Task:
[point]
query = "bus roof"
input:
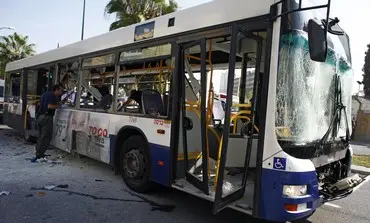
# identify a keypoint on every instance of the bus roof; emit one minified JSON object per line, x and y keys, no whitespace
{"x":208,"y":14}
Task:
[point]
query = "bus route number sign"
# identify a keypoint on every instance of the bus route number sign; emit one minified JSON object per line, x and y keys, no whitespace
{"x":158,"y":122}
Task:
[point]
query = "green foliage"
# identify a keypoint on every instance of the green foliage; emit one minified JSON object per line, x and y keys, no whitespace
{"x":366,"y":69}
{"x":129,"y":12}
{"x":14,"y":47}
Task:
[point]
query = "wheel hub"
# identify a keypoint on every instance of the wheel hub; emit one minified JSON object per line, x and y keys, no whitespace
{"x":133,"y":164}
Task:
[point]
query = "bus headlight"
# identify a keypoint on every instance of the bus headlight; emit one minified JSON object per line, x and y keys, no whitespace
{"x":294,"y":190}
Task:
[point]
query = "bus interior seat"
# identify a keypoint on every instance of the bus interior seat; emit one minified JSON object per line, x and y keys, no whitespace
{"x":152,"y":102}
{"x":106,"y":102}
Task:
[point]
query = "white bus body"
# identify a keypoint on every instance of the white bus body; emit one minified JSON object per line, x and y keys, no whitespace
{"x":173,"y":142}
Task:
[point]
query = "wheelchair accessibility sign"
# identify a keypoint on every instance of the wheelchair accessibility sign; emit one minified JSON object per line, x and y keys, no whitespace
{"x":279,"y":163}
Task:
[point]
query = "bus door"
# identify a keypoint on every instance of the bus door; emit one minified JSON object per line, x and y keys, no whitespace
{"x":193,"y":113}
{"x":236,"y":145}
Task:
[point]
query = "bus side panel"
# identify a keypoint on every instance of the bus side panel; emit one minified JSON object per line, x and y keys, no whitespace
{"x":160,"y":164}
{"x":13,"y":117}
{"x":94,"y":135}
{"x":272,"y":205}
{"x":280,"y":170}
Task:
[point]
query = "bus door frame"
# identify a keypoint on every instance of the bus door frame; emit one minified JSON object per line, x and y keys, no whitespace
{"x":222,"y":202}
{"x":200,"y":184}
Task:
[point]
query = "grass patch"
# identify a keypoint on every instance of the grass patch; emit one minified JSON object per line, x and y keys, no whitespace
{"x":361,"y":160}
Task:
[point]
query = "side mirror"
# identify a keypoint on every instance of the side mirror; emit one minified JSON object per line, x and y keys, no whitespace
{"x":317,"y":41}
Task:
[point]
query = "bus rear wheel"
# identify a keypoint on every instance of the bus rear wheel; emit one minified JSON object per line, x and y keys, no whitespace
{"x":135,"y":164}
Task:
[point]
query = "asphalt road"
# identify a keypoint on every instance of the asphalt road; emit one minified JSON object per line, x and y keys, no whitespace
{"x":95,"y":194}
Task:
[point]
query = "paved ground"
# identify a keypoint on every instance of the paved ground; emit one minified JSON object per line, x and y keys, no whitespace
{"x":361,"y":148}
{"x":95,"y":194}
{"x":354,"y":208}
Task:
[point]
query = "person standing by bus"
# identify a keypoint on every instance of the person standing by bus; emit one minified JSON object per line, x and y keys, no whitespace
{"x":48,"y":104}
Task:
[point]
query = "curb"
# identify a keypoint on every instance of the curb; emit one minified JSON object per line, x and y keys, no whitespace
{"x":360,"y":170}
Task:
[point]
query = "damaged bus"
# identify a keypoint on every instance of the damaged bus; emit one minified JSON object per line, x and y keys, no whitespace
{"x":276,"y":149}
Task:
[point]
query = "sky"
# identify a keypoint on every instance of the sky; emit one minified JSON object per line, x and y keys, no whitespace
{"x":49,"y":22}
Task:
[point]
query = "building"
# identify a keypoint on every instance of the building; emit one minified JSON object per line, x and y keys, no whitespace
{"x":361,"y":115}
{"x":237,"y":78}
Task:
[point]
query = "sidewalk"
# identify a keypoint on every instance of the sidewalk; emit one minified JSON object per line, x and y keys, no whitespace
{"x":360,"y":170}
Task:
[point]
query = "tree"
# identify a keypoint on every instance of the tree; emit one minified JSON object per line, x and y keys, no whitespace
{"x":366,"y":69}
{"x":129,"y":12}
{"x":14,"y":47}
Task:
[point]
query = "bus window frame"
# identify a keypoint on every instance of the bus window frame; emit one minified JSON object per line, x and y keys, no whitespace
{"x":114,"y":53}
{"x":80,"y":78}
{"x":143,"y":60}
{"x":164,"y":43}
{"x":57,"y":80}
{"x":9,"y":94}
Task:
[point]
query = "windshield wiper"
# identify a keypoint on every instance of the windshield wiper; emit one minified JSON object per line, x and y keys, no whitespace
{"x":335,"y":122}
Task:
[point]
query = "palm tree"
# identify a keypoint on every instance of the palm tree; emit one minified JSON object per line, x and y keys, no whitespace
{"x":14,"y":47}
{"x":129,"y":12}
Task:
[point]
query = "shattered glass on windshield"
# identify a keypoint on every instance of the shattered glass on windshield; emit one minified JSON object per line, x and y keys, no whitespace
{"x":306,"y":91}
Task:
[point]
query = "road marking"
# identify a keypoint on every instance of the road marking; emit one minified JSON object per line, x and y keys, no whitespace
{"x":332,"y":205}
{"x":366,"y":180}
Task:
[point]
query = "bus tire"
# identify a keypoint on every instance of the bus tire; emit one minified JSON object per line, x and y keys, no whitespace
{"x":135,"y":164}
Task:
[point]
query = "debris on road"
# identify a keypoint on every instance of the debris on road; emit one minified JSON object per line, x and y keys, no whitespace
{"x":6,"y":193}
{"x":49,"y":187}
{"x":41,"y":193}
{"x":97,"y":180}
{"x":53,"y":161}
{"x":29,"y":195}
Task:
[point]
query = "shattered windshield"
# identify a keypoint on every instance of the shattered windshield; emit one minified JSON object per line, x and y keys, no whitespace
{"x":305,"y":100}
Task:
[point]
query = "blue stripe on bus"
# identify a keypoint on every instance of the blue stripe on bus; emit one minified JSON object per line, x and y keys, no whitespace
{"x":272,"y":199}
{"x":112,"y":147}
{"x":160,"y":173}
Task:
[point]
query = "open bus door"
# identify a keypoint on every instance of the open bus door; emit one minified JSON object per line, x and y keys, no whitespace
{"x":224,"y":194}
{"x":194,"y":117}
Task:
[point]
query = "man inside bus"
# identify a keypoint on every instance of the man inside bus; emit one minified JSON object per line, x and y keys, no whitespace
{"x":99,"y":85}
{"x":104,"y":91}
{"x":48,"y":104}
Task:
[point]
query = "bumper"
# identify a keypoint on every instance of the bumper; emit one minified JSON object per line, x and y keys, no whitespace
{"x":273,"y":204}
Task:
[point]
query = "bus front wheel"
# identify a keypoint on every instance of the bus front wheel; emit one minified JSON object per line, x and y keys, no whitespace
{"x":135,"y":164}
